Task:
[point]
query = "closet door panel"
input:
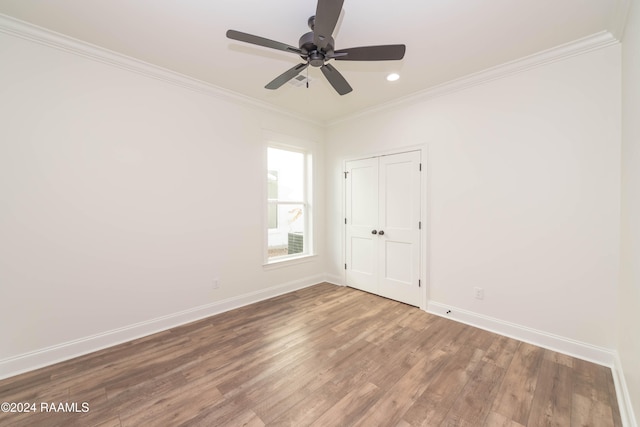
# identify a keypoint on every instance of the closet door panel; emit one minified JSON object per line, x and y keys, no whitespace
{"x":399,"y":218}
{"x":362,"y":218}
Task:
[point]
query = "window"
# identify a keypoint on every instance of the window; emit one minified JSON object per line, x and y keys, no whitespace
{"x":288,"y":209}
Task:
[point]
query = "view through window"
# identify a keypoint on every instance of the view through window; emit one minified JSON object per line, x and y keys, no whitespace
{"x":287,"y":206}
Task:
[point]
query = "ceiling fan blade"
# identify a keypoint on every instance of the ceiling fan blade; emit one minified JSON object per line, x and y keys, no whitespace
{"x":388,"y":52}
{"x":261,"y":41}
{"x":335,"y":78}
{"x":327,"y":14}
{"x":286,"y":76}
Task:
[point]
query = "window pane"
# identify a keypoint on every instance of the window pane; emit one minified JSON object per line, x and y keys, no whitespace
{"x":288,"y":169}
{"x":288,"y":237}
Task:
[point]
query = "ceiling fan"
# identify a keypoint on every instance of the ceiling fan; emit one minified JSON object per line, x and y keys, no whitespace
{"x":316,"y":48}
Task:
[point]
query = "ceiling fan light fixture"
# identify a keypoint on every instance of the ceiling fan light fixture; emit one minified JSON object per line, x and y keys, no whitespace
{"x":393,"y":77}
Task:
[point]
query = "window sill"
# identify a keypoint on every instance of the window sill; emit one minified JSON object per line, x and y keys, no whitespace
{"x":288,"y":261}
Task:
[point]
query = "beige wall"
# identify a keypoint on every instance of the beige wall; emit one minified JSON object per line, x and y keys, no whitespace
{"x":628,"y":328}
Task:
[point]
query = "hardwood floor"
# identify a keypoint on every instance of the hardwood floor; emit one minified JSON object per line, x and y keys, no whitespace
{"x":321,"y":356}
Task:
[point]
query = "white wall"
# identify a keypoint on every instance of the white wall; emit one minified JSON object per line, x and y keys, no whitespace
{"x":628,"y":328}
{"x":112,"y":188}
{"x":122,"y":197}
{"x":523,"y":193}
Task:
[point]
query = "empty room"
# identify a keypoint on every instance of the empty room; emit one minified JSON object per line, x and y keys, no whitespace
{"x":319,"y":212}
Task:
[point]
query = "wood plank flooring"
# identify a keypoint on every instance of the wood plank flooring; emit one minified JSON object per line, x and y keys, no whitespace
{"x":321,"y":356}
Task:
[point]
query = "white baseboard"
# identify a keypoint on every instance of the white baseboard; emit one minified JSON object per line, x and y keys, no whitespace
{"x":334,"y":279}
{"x":69,"y":350}
{"x":591,"y":353}
{"x":50,"y":355}
{"x":624,"y":399}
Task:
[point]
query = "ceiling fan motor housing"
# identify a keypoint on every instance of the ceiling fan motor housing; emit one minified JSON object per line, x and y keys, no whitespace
{"x":315,"y":55}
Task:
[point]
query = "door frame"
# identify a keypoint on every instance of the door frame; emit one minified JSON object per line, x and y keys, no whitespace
{"x":425,"y":255}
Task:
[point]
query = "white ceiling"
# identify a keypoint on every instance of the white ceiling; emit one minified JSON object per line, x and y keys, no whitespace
{"x":446,"y":39}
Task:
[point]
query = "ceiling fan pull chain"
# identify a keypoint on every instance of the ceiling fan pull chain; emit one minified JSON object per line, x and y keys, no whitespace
{"x":307,"y":77}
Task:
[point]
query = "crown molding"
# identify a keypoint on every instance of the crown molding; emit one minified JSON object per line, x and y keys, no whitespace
{"x":578,"y":47}
{"x":24,"y":30}
{"x":42,"y":36}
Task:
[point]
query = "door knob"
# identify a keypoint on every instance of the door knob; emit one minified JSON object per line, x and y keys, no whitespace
{"x":381,"y":232}
{"x":374,"y":232}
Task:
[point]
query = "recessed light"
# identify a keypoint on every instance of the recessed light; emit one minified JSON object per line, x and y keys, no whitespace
{"x":393,"y":77}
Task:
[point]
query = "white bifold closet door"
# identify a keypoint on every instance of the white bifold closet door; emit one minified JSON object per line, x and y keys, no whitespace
{"x":383,"y":226}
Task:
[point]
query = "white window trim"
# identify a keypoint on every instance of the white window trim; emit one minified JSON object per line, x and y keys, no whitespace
{"x":305,"y":147}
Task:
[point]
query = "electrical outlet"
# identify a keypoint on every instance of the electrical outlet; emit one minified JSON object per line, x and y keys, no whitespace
{"x":479,"y":292}
{"x":216,"y":283}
